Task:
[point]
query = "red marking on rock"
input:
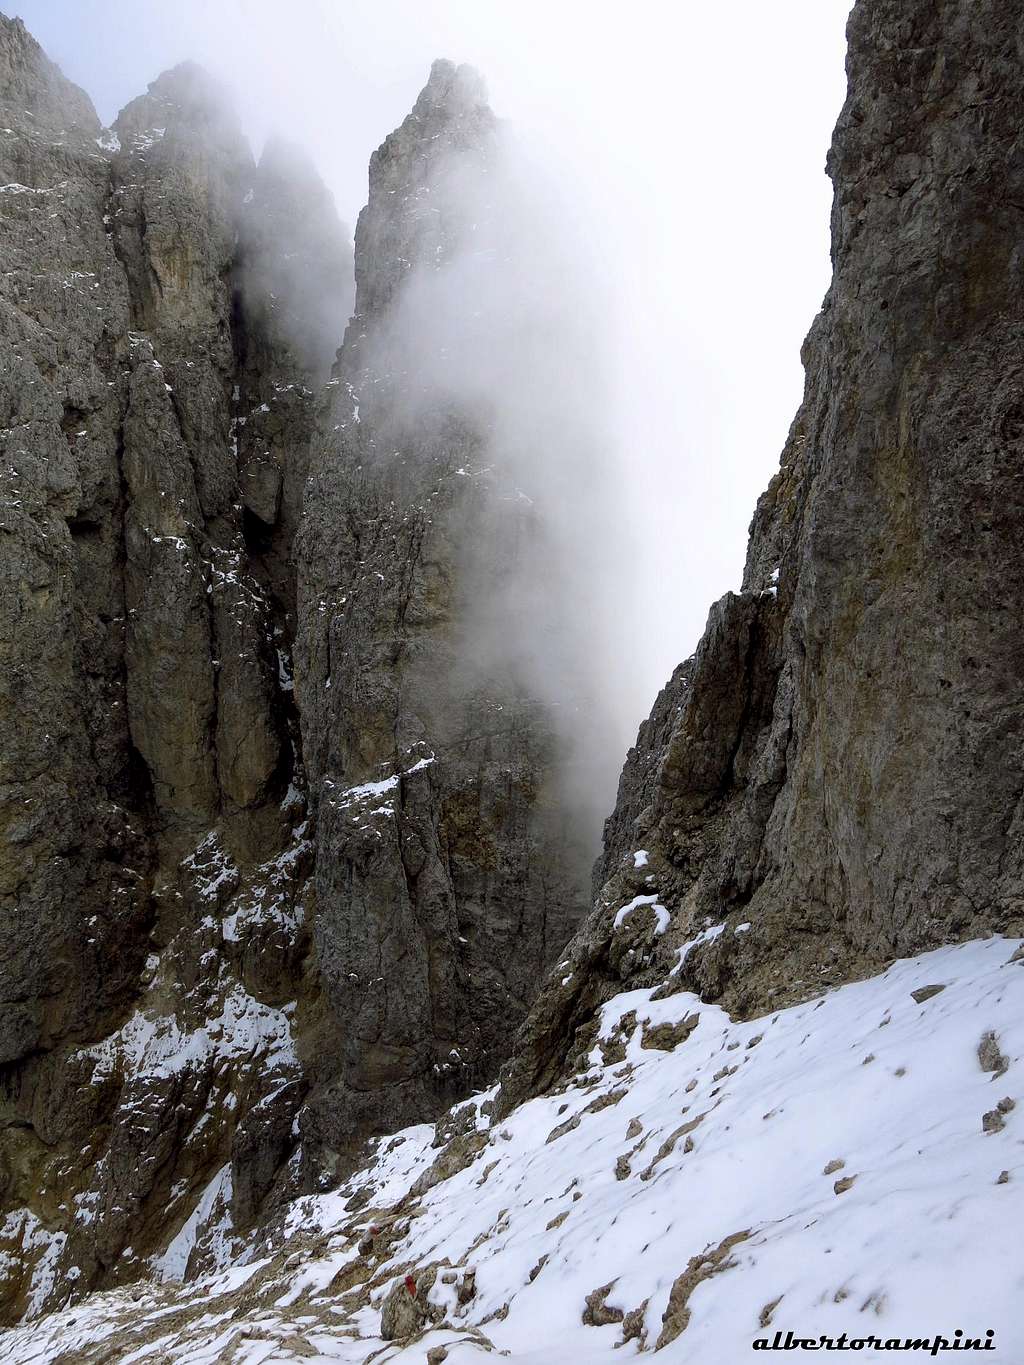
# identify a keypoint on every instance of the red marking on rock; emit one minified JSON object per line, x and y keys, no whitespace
{"x":410,"y":1284}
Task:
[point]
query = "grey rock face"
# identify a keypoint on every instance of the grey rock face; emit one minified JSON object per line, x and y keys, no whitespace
{"x":151,"y":817}
{"x":447,"y":874}
{"x":72,"y":855}
{"x":283,"y":850}
{"x":835,"y":778}
{"x":185,"y":502}
{"x":179,"y":178}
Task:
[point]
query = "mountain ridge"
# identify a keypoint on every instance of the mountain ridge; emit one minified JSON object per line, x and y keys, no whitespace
{"x":289,"y":870}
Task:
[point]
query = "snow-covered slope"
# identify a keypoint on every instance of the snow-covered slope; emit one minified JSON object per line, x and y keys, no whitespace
{"x":851,"y":1165}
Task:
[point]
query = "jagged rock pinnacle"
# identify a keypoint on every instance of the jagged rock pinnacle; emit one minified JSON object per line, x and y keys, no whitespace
{"x":456,"y":88}
{"x":36,"y":95}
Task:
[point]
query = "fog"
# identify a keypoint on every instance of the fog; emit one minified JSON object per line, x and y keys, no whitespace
{"x":659,"y":246}
{"x":504,"y":322}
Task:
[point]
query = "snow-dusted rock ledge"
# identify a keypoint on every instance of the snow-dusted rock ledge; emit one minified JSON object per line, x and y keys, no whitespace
{"x":853,"y":1164}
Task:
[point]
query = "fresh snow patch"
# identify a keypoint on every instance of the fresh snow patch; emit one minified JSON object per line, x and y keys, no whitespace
{"x":142,"y":142}
{"x":211,"y":868}
{"x":15,"y":188}
{"x":156,"y":1046}
{"x":368,"y":790}
{"x":705,"y":936}
{"x":660,"y":913}
{"x":272,"y":901}
{"x":837,"y":1143}
{"x":174,"y":1261}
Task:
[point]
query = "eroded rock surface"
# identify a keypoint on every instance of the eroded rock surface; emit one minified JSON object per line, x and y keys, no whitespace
{"x":154,"y":846}
{"x":448,"y":872}
{"x":283,"y":856}
{"x":259,"y":902}
{"x":836,"y":776}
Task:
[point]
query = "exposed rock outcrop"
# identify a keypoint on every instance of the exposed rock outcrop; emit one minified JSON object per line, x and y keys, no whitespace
{"x":150,"y":797}
{"x":836,"y":776}
{"x":283,"y":849}
{"x":448,"y":873}
{"x":176,"y":1058}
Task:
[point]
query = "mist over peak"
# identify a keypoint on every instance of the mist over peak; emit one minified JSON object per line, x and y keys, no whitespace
{"x":413,"y":215}
{"x":296,"y":257}
{"x":188,"y":98}
{"x":458,"y":86}
{"x":338,"y":573}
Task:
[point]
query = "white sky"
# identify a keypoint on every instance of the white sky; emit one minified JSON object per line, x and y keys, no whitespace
{"x":692,"y":137}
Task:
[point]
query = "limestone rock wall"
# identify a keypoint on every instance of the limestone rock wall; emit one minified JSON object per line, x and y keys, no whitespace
{"x":154,"y":841}
{"x":448,"y":873}
{"x":280,"y":871}
{"x":284,"y":854}
{"x":836,"y":777}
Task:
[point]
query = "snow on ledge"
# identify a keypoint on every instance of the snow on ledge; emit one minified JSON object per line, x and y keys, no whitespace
{"x":843,"y":1150}
{"x":660,"y":913}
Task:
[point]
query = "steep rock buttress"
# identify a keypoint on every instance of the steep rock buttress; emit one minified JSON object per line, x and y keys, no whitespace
{"x":448,"y":874}
{"x":836,"y":777}
{"x":283,"y":856}
{"x":157,"y":403}
{"x":283,"y":863}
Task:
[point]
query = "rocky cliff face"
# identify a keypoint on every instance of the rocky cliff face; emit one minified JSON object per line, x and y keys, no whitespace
{"x":448,"y":874}
{"x":835,"y":778}
{"x":156,"y":413}
{"x":215,"y":986}
{"x":284,"y":848}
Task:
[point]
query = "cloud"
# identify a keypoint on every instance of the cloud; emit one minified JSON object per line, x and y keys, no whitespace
{"x":678,"y":152}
